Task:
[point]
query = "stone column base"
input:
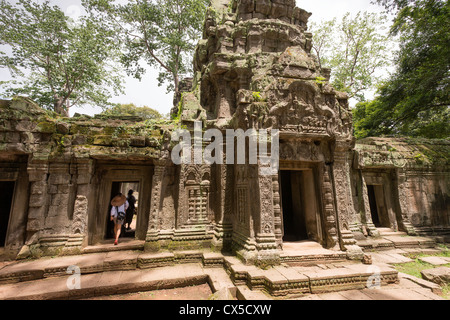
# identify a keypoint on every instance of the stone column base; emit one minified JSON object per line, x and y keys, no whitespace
{"x":74,"y":245}
{"x":179,"y":239}
{"x":373,"y":231}
{"x":262,"y":252}
{"x":222,"y":240}
{"x":353,"y":251}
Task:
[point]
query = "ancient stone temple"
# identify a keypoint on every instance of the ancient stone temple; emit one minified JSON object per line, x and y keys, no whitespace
{"x":253,"y":69}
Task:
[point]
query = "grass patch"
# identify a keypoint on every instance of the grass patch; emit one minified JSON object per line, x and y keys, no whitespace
{"x":415,"y":267}
{"x":446,"y":291}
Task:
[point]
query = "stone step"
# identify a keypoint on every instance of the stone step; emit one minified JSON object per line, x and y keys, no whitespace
{"x":106,"y":283}
{"x":390,"y":258}
{"x":375,"y":244}
{"x":293,"y":281}
{"x":389,"y":242}
{"x":411,"y":242}
{"x":108,"y":246}
{"x":278,"y":281}
{"x":306,"y":253}
{"x":390,"y":232}
{"x":305,"y":259}
{"x":21,"y":271}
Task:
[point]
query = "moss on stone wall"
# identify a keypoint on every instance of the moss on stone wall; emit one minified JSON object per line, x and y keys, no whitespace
{"x":47,"y":135}
{"x":388,"y":152}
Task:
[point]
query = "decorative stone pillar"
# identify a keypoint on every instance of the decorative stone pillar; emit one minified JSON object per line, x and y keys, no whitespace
{"x":37,"y":207}
{"x":223,"y":227}
{"x":266,"y":242}
{"x":80,"y":191}
{"x":243,"y":220}
{"x":57,"y":220}
{"x":373,"y":231}
{"x":332,"y":237}
{"x":75,"y":241}
{"x":403,"y":202}
{"x":341,"y":179}
{"x":151,"y":240}
{"x":277,"y":214}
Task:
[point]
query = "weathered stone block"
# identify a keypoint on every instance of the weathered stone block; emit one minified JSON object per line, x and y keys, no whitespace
{"x":38,"y":187}
{"x":37,"y":200}
{"x":25,"y":125}
{"x":53,"y":211}
{"x":263,"y":6}
{"x":278,"y":10}
{"x":137,"y":141}
{"x":57,"y":223}
{"x":440,"y":275}
{"x":64,"y":188}
{"x":36,"y":213}
{"x":52,"y":189}
{"x":79,"y":139}
{"x":103,"y":140}
{"x":246,"y":6}
{"x":60,"y":199}
{"x":36,"y":176}
{"x":12,"y":137}
{"x":59,"y":178}
{"x":33,"y":224}
{"x":62,"y":128}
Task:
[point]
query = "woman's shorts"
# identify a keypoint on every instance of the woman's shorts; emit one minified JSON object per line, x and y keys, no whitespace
{"x":117,"y":221}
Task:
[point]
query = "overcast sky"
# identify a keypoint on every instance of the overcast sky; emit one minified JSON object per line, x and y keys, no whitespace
{"x":147,"y":92}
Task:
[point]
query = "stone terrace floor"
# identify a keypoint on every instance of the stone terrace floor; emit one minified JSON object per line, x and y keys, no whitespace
{"x":307,"y":272}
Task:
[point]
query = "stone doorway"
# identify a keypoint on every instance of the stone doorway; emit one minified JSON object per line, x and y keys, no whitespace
{"x":123,"y":187}
{"x":378,"y":210}
{"x":6,"y":199}
{"x":299,"y":206}
{"x":109,"y":180}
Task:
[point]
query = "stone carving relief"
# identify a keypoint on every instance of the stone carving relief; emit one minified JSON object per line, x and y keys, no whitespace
{"x":79,"y":215}
{"x":197,"y":181}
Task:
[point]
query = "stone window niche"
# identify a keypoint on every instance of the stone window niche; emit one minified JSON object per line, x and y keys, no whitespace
{"x":197,"y":195}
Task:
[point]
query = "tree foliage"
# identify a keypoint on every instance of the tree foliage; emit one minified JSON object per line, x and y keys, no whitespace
{"x":56,"y":62}
{"x":355,"y":48}
{"x":416,"y":99}
{"x":131,"y":109}
{"x":162,"y":33}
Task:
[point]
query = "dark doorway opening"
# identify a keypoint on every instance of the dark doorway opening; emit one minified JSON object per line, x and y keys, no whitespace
{"x":129,"y":225}
{"x":301,"y":218}
{"x":373,"y":206}
{"x":293,"y":214}
{"x":378,"y":210}
{"x":6,"y":198}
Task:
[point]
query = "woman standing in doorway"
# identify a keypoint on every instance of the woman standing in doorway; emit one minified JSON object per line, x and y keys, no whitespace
{"x":131,"y":209}
{"x":119,"y":206}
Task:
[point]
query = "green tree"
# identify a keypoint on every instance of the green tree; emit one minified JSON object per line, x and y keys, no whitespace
{"x":162,"y":33}
{"x":54,"y":61}
{"x":415,"y":101}
{"x":356,"y":49}
{"x":131,"y":109}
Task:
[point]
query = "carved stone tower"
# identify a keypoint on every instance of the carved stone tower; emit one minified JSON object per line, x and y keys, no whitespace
{"x":254,"y":69}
